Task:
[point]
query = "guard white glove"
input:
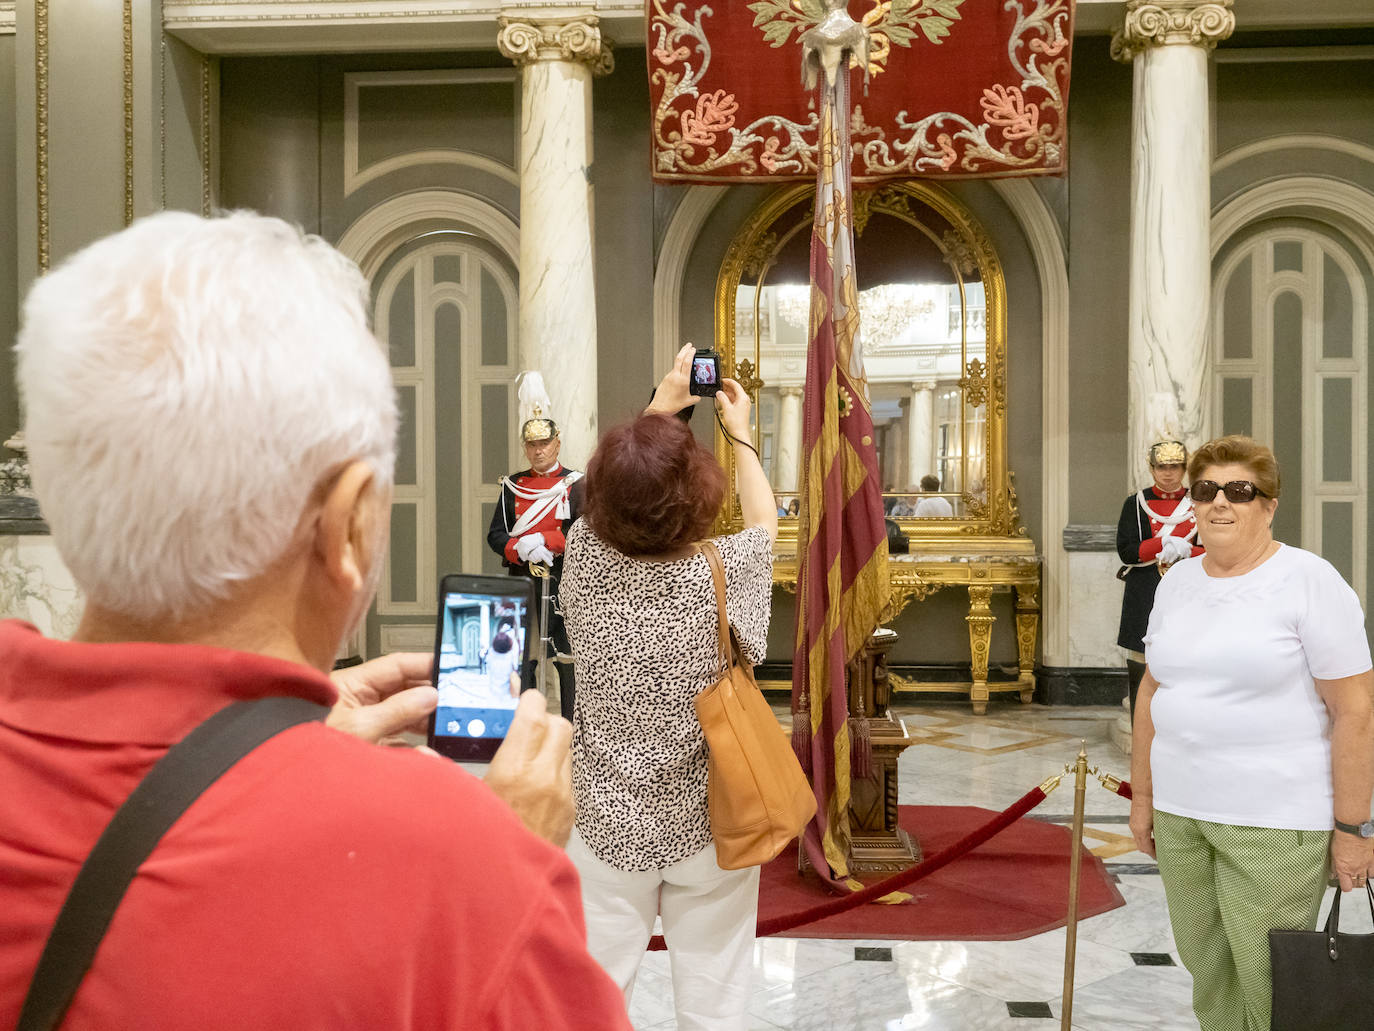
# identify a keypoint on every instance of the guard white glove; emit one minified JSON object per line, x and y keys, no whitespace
{"x":541,"y":554}
{"x":1174,"y":549}
{"x":526,"y":544}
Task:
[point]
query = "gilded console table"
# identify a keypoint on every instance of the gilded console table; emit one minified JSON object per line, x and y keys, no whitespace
{"x":917,"y":576}
{"x":987,"y":567}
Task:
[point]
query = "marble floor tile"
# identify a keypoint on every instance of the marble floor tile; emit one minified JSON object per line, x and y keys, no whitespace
{"x":1142,"y":925}
{"x":874,"y":996}
{"x":1030,"y":969}
{"x":651,"y":1002}
{"x":1139,"y":999}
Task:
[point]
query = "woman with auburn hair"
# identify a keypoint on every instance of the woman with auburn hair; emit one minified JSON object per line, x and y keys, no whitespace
{"x":641,"y":614}
{"x":1253,"y":737}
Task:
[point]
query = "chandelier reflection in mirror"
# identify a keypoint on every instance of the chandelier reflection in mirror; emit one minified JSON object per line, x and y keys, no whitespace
{"x":933,"y":329}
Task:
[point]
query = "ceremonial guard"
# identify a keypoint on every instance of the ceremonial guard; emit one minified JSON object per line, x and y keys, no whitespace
{"x":536,"y":508}
{"x":1157,"y":529}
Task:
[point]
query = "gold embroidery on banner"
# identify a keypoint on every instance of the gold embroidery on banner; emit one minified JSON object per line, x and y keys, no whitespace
{"x":1028,"y":115}
{"x":889,"y":21}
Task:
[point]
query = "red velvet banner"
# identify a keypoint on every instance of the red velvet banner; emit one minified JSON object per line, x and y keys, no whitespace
{"x":957,"y":89}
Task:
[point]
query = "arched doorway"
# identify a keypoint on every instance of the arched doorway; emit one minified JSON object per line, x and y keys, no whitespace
{"x":1290,"y":350}
{"x":445,"y":305}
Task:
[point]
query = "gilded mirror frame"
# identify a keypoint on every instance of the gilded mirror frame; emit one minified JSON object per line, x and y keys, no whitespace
{"x":992,"y":524}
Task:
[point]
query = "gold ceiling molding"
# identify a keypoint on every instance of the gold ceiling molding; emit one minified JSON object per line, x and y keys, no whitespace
{"x":205,"y":135}
{"x":128,"y":111}
{"x":162,"y":120}
{"x":40,"y":42}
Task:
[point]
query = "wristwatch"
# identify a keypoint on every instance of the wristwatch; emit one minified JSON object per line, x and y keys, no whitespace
{"x":1360,"y":830}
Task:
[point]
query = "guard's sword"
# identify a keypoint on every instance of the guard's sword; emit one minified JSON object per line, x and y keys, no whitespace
{"x":541,"y":573}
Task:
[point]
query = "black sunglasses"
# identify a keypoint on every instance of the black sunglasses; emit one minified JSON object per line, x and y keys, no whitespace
{"x":1238,"y":492}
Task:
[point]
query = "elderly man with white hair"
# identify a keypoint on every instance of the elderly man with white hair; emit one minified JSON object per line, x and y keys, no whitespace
{"x":211,"y":428}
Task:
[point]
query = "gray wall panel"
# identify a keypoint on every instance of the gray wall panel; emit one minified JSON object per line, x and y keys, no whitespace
{"x":85,"y":123}
{"x":1254,"y":101}
{"x":1099,"y":235}
{"x":623,"y":199}
{"x":269,"y":137}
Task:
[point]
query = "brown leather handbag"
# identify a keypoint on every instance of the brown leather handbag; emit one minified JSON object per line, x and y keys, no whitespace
{"x":757,"y":795}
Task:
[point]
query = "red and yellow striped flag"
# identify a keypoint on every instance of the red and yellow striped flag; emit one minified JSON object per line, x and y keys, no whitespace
{"x":842,"y":579}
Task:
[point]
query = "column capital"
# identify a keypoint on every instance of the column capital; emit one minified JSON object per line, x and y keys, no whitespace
{"x":527,"y":36}
{"x":1155,"y":23}
{"x":921,"y":386}
{"x":791,"y":391}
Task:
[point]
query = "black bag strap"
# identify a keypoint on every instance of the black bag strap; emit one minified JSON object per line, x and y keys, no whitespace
{"x":1333,"y":918}
{"x":171,"y":786}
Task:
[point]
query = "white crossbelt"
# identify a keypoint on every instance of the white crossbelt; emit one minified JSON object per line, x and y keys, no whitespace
{"x":553,"y":498}
{"x":1182,"y":511}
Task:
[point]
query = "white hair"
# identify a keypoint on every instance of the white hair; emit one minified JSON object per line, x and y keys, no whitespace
{"x":187,"y":383}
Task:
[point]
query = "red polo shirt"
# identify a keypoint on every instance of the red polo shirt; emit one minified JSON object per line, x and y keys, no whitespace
{"x":321,"y":883}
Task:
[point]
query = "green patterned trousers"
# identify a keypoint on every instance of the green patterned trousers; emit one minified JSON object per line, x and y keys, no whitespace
{"x":1228,"y":887}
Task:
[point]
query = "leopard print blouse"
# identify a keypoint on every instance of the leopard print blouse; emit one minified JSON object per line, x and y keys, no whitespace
{"x":643,"y":637}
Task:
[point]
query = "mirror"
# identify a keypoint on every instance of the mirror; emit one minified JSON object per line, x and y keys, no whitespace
{"x":932,"y":322}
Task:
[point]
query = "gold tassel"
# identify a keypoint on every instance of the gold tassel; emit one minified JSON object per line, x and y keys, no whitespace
{"x":801,"y":732}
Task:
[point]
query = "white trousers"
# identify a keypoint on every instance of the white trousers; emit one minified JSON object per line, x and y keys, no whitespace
{"x":708,"y":922}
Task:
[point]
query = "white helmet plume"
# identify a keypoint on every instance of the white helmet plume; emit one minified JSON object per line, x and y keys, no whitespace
{"x":536,"y":410}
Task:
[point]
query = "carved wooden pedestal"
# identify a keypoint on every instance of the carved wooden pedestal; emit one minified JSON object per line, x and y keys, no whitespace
{"x":878,"y":844}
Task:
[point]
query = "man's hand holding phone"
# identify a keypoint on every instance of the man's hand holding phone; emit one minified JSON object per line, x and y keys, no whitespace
{"x":532,"y":770}
{"x":380,"y":699}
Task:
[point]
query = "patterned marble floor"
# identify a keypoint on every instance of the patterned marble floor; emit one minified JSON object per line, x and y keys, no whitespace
{"x":1128,"y":972}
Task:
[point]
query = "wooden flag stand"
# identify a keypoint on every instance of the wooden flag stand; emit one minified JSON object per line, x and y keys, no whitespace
{"x":876,"y":843}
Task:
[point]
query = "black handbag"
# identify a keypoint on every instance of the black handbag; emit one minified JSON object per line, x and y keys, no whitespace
{"x":1323,"y":980}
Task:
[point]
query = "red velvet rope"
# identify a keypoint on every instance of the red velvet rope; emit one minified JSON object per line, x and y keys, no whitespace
{"x":1124,"y":789}
{"x":970,"y":841}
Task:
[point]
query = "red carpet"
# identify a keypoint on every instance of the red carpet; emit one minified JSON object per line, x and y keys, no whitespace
{"x":1014,"y":886}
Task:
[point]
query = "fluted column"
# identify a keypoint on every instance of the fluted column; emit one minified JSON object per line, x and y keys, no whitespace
{"x":788,"y":462}
{"x":558,"y":50}
{"x":1170,"y":271}
{"x":921,"y":452}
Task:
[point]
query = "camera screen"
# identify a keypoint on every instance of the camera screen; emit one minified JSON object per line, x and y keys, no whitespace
{"x":704,"y":370}
{"x":481,"y":647}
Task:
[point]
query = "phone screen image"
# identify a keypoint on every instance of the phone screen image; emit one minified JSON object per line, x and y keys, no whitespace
{"x":704,"y":371}
{"x":482,"y":644}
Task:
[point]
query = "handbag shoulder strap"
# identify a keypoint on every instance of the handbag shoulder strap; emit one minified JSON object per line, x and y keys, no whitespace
{"x":724,"y":651}
{"x":177,"y":780}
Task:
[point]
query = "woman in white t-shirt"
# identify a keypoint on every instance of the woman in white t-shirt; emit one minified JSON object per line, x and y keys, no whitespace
{"x":1254,"y":735}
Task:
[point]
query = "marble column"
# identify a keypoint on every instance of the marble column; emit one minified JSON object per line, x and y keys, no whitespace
{"x":558,"y":49}
{"x":1169,"y":42}
{"x":921,"y":452}
{"x":896,"y":453}
{"x":789,"y":440}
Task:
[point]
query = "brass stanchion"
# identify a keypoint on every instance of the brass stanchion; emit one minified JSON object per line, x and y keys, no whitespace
{"x":1080,"y":783}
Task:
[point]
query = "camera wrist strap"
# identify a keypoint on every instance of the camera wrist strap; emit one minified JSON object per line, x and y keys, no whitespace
{"x":170,"y":787}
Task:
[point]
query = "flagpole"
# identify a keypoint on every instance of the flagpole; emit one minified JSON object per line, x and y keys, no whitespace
{"x":842,"y":582}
